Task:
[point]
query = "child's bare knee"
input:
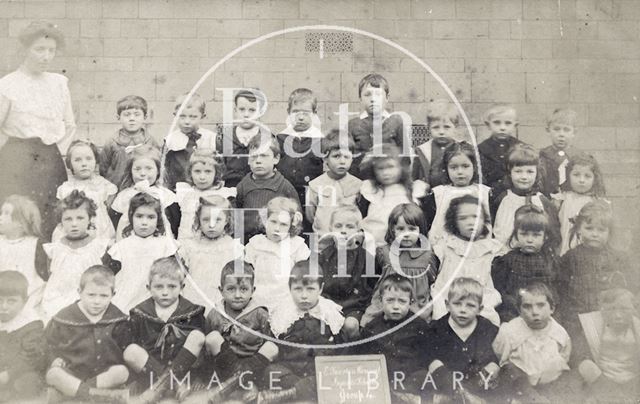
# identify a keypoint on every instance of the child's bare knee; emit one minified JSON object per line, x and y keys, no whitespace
{"x":194,"y":341}
{"x":135,"y":356}
{"x":269,"y":350}
{"x":213,"y":342}
{"x":120,"y":373}
{"x":53,"y":375}
{"x":351,"y":326}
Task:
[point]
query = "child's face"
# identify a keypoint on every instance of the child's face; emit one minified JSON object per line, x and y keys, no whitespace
{"x":339,"y":162}
{"x":145,"y":221}
{"x":523,"y":177}
{"x":202,"y":175}
{"x":278,"y":225}
{"x":164,"y":290}
{"x":94,"y":298}
{"x":132,"y":120}
{"x":594,"y":234}
{"x":388,"y":171}
{"x":442,"y":128}
{"x":75,"y":223}
{"x":244,"y":112}
{"x":460,"y":170}
{"x":407,"y":234}
{"x":8,"y":226}
{"x":301,"y":115}
{"x":144,"y":169}
{"x":395,"y":304}
{"x":503,"y":125}
{"x":618,"y":315}
{"x":346,"y":225}
{"x":535,"y":310}
{"x":83,"y":162}
{"x":373,"y":99}
{"x":561,"y":134}
{"x":530,"y":241}
{"x":306,"y":296}
{"x":463,"y":311}
{"x":189,"y":119}
{"x":466,"y":218}
{"x":581,"y":179}
{"x":10,"y":306}
{"x":237,"y":291}
{"x":262,"y":162}
{"x":212,"y":222}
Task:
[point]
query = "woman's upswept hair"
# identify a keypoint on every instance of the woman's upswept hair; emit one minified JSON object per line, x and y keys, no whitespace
{"x":39,"y":29}
{"x":595,"y":212}
{"x":583,"y":159}
{"x":144,"y":199}
{"x":451,"y":217}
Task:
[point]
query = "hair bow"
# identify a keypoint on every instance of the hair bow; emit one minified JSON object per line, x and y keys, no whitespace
{"x":143,"y":186}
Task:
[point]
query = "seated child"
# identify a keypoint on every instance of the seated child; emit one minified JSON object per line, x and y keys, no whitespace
{"x":85,"y":354}
{"x":533,"y":348}
{"x":502,"y":122}
{"x":609,"y":351}
{"x":22,"y":345}
{"x":263,"y":183}
{"x":442,"y":123}
{"x":300,"y":143}
{"x":561,"y":127}
{"x":132,"y":113}
{"x":373,"y":92}
{"x":188,"y":136}
{"x":165,"y":336}
{"x":234,"y":145}
{"x":334,"y":188}
{"x":403,"y":346}
{"x":233,"y":348}
{"x":460,"y":355}
{"x":348,"y":267}
{"x":305,"y":318}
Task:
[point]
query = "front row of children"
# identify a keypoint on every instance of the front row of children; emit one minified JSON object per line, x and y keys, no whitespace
{"x":166,"y":346}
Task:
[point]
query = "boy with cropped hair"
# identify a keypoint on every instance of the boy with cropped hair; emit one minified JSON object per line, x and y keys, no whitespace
{"x":554,"y":158}
{"x":185,"y":138}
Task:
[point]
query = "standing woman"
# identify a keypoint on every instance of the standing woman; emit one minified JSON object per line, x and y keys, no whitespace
{"x":36,"y":123}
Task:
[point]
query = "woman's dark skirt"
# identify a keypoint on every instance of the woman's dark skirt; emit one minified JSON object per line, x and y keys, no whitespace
{"x":31,"y":168}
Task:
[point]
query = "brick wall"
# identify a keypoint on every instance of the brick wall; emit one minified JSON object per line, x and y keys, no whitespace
{"x":535,"y":54}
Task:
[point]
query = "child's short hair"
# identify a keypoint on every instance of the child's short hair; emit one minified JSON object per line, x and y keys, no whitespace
{"x":453,"y":150}
{"x":26,"y":212}
{"x":451,"y":216}
{"x":195,"y":101}
{"x":617,"y":297}
{"x":440,"y":110}
{"x":144,"y":199}
{"x":13,"y":283}
{"x":564,"y":116}
{"x":465,"y":288}
{"x":301,"y":95}
{"x":229,"y":269}
{"x":332,"y":141}
{"x":207,"y":156}
{"x":350,"y":209}
{"x":167,"y":267}
{"x":531,"y":218}
{"x":139,"y":152}
{"x":538,"y":289}
{"x":593,"y":212}
{"x":257,"y":142}
{"x":399,"y":282}
{"x":289,"y":205}
{"x":250,"y":96}
{"x":214,"y":202}
{"x":585,"y":159}
{"x":132,"y":102}
{"x":39,"y":29}
{"x":412,"y":216}
{"x":389,"y":152}
{"x":374,"y":80}
{"x":523,"y":154}
{"x":306,"y":273}
{"x":499,"y":110}
{"x":99,"y":275}
{"x":75,"y":200}
{"x":75,"y":144}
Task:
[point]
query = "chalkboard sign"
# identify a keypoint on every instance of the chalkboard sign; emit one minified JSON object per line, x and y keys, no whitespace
{"x":354,"y":379}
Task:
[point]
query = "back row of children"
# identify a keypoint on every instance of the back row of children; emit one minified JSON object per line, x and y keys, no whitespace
{"x":506,"y":233}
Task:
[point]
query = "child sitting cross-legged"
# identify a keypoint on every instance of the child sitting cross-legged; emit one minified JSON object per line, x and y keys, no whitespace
{"x":165,"y":336}
{"x":85,"y":351}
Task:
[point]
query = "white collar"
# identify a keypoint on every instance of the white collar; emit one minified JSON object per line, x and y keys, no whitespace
{"x":385,"y":114}
{"x":288,"y":313}
{"x":244,"y":135}
{"x":164,"y":313}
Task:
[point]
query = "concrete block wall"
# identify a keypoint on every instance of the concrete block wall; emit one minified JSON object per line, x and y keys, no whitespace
{"x":535,"y":54}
